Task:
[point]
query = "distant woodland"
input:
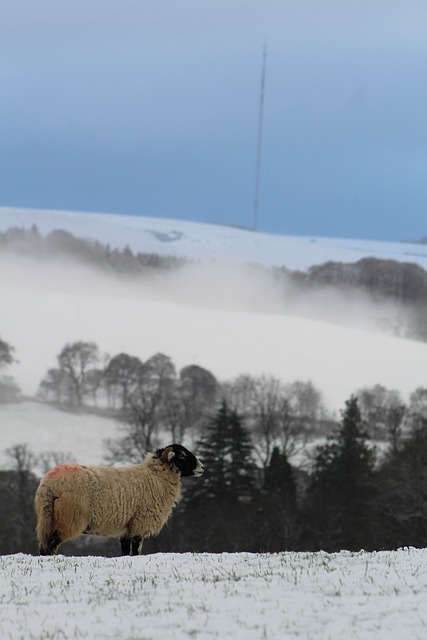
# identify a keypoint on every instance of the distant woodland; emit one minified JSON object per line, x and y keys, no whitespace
{"x":281,"y":474}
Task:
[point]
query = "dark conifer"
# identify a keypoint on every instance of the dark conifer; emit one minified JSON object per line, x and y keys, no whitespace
{"x":342,"y":488}
{"x":279,"y":477}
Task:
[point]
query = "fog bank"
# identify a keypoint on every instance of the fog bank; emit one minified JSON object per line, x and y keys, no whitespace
{"x":231,"y":320}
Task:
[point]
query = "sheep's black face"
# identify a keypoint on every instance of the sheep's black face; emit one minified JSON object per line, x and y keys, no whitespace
{"x":181,"y":458}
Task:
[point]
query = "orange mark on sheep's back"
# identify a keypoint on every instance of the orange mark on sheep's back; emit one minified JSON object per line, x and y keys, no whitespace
{"x":63,"y":468}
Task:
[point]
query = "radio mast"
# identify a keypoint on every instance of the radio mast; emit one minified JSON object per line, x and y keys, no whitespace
{"x":259,"y":140}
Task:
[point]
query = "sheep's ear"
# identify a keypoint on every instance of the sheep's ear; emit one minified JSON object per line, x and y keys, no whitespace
{"x":171,"y":455}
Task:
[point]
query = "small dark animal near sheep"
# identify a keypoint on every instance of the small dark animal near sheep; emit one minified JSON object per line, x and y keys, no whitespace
{"x":130,"y":503}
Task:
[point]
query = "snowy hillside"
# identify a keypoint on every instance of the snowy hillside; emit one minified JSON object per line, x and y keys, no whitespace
{"x":207,"y":241}
{"x":227,"y":319}
{"x":45,"y":307}
{"x":310,"y":596}
{"x":49,"y":431}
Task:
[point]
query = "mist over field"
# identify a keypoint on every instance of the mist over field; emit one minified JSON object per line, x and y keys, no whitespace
{"x":231,"y":319}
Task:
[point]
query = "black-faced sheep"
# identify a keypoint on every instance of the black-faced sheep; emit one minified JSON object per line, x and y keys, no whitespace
{"x":130,"y":503}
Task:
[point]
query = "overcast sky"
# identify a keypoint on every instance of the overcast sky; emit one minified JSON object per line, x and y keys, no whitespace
{"x":151,"y":107}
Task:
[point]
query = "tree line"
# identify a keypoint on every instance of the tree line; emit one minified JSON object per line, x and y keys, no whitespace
{"x":347,"y":498}
{"x":153,"y":400}
{"x":60,"y":243}
{"x":268,"y":486}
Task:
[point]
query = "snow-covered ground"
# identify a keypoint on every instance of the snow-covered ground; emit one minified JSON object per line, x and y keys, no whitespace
{"x":304,"y":596}
{"x":79,"y":437}
{"x":208,"y":241}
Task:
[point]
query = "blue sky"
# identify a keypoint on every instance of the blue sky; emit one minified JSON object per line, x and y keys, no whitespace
{"x":150,"y":107}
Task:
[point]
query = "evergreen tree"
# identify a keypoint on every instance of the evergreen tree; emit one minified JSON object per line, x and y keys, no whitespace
{"x":213,"y":450}
{"x":403,"y":482}
{"x":339,"y":512}
{"x":226,"y":451}
{"x":279,"y":477}
{"x":277,"y":517}
{"x":224,"y":499}
{"x":241,"y":469}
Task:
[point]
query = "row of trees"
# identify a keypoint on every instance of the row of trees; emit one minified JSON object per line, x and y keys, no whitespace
{"x":152,"y":399}
{"x":65,"y":245}
{"x":348,"y":498}
{"x":153,"y":402}
{"x":403,"y":283}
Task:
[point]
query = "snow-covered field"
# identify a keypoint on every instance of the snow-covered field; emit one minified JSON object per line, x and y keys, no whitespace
{"x":79,"y":437}
{"x":305,"y":596}
{"x":209,"y":241}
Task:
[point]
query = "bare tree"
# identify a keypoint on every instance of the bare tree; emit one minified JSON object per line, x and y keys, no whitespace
{"x":189,"y":401}
{"x":418,"y":402}
{"x":265,"y":404}
{"x":75,"y":360}
{"x":21,"y":457}
{"x":93,"y":383}
{"x":145,"y":411}
{"x":121,"y":377}
{"x":239,"y":393}
{"x":306,"y":401}
{"x":9,"y":390}
{"x":55,"y":386}
{"x":385,"y":414}
{"x":6,"y":353}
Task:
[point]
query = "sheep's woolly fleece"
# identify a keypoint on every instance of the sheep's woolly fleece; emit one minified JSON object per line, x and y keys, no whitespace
{"x":129,"y":502}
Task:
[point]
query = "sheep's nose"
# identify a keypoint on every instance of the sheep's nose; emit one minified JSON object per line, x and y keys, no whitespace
{"x":199,"y":470}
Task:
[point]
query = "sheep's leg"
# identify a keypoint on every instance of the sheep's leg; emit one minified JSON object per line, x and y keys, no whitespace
{"x":125,"y":546}
{"x":51,"y":547}
{"x":136,"y":545}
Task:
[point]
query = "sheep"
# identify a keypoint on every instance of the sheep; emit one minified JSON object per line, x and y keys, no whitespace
{"x":130,"y":503}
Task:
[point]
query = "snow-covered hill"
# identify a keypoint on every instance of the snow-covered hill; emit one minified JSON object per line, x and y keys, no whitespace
{"x":45,"y":306}
{"x":49,"y":431}
{"x":226,"y":318}
{"x":210,"y":242}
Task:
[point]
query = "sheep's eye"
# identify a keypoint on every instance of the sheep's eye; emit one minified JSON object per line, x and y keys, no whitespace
{"x":182,"y":455}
